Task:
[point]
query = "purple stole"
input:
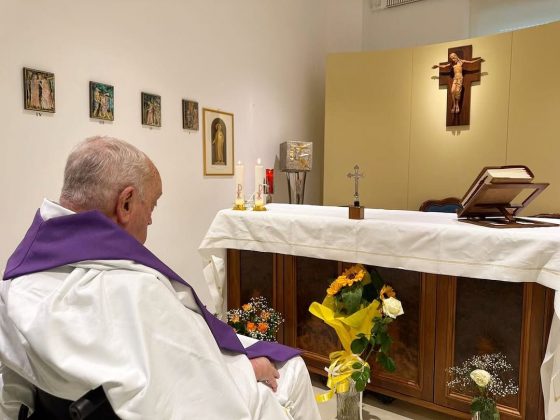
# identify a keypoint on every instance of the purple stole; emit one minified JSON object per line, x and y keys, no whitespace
{"x":93,"y":236}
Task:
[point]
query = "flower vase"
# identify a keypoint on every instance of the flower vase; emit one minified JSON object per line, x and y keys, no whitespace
{"x":349,"y":404}
{"x":486,"y":409}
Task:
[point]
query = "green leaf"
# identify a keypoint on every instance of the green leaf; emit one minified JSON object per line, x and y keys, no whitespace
{"x":376,"y":280}
{"x":360,"y":386}
{"x":358,"y":345}
{"x":352,"y":299}
{"x":386,"y":362}
{"x":477,"y":404}
{"x":356,"y":376}
{"x":391,"y":366}
{"x":357,"y":365}
{"x":385,"y":342}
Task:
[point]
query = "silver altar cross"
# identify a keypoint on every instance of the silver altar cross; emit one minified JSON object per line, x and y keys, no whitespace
{"x":356,"y":175}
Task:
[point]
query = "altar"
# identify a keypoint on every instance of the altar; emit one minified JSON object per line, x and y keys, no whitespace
{"x":465,"y":289}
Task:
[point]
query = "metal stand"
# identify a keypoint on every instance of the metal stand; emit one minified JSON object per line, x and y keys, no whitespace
{"x":296,"y":186}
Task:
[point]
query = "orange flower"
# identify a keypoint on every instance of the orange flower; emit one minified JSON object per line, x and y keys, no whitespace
{"x":235,"y":318}
{"x":262,"y":327}
{"x":251,"y":326}
{"x":265,"y":315}
{"x":247,"y":307}
{"x":387,"y":292}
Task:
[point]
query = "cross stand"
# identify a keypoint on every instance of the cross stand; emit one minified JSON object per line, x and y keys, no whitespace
{"x":356,"y":211}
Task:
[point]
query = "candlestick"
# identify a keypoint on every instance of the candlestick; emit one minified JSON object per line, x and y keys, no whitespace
{"x":259,"y":190}
{"x":239,"y":187}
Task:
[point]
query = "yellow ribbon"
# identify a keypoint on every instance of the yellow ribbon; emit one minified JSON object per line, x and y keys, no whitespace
{"x":340,"y":371}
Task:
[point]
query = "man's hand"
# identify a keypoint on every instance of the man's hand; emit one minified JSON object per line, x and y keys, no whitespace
{"x":265,"y":372}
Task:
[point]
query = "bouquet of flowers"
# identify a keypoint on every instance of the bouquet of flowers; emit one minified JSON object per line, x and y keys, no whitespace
{"x":256,"y":319}
{"x":488,"y":377}
{"x":360,"y":307}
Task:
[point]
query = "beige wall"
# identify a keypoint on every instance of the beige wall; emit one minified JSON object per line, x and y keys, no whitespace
{"x":404,"y":148}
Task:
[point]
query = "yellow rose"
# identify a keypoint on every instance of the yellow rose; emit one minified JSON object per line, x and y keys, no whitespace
{"x":392,"y":307}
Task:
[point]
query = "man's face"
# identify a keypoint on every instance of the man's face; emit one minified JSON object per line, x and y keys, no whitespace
{"x":141,"y":215}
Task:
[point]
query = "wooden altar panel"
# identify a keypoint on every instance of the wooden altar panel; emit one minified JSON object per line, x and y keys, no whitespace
{"x":313,"y":276}
{"x":412,"y":334}
{"x":446,"y":320}
{"x":483,"y":316}
{"x":250,"y":274}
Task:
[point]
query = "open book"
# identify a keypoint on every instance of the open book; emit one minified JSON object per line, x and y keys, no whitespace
{"x":499,"y":175}
{"x":498,"y":194}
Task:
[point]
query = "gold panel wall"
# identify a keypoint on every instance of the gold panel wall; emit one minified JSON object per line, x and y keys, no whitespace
{"x":386,"y":112}
{"x":534,"y":111}
{"x":367,"y":122}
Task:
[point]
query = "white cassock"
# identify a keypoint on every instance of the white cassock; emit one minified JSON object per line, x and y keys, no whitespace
{"x":126,"y":326}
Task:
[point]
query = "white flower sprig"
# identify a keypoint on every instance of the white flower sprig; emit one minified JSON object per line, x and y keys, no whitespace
{"x":489,"y":371}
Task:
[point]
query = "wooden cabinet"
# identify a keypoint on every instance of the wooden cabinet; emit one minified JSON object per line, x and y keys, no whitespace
{"x":447,"y":319}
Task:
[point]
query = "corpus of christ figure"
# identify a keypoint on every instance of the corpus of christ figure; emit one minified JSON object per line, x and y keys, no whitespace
{"x":458,"y":74}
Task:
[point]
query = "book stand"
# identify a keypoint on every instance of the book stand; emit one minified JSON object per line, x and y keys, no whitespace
{"x":485,"y":208}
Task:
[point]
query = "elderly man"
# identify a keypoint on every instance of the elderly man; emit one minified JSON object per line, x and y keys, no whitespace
{"x":86,"y":304}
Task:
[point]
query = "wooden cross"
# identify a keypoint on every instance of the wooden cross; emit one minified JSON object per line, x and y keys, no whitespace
{"x":458,"y":76}
{"x":356,"y":175}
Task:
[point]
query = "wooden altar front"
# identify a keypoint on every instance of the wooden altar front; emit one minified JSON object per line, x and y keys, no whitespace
{"x":447,"y":319}
{"x":465,"y":289}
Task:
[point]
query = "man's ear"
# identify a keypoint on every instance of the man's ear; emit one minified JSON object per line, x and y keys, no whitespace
{"x":125,"y":201}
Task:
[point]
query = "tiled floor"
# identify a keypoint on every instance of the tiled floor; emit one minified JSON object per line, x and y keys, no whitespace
{"x":375,"y":410}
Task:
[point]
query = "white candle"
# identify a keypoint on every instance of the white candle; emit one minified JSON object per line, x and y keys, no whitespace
{"x":239,"y":189}
{"x":259,"y":180}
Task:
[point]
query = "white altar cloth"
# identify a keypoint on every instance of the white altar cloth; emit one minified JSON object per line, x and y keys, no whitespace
{"x":426,"y":242}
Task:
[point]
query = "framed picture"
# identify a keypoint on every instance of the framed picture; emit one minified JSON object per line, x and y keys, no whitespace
{"x":38,"y":90}
{"x":190,"y":115}
{"x":218,"y":142}
{"x":101,"y":101}
{"x":151,"y":110}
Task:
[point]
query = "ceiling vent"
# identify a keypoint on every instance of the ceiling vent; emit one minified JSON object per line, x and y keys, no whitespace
{"x":376,"y":5}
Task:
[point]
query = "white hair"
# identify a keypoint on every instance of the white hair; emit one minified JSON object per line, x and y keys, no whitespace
{"x":98,"y":169}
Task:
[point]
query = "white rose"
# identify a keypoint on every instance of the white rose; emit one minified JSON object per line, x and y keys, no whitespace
{"x":392,"y":307}
{"x":481,"y":377}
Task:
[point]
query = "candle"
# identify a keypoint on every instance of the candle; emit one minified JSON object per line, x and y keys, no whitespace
{"x":270,"y":181}
{"x":239,"y":190}
{"x":259,"y":180}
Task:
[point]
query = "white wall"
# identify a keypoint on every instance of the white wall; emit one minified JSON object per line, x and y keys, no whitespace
{"x":490,"y":17}
{"x":433,"y":21}
{"x":262,"y":60}
{"x":420,"y":23}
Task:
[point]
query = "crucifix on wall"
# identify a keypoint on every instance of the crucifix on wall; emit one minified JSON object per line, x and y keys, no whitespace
{"x":457,"y":75}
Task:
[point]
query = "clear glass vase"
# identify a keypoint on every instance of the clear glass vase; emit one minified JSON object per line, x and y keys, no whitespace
{"x":349,"y":404}
{"x":489,"y":410}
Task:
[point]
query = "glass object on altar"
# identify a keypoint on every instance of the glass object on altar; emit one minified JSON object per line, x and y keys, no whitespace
{"x":296,"y":159}
{"x":269,"y":185}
